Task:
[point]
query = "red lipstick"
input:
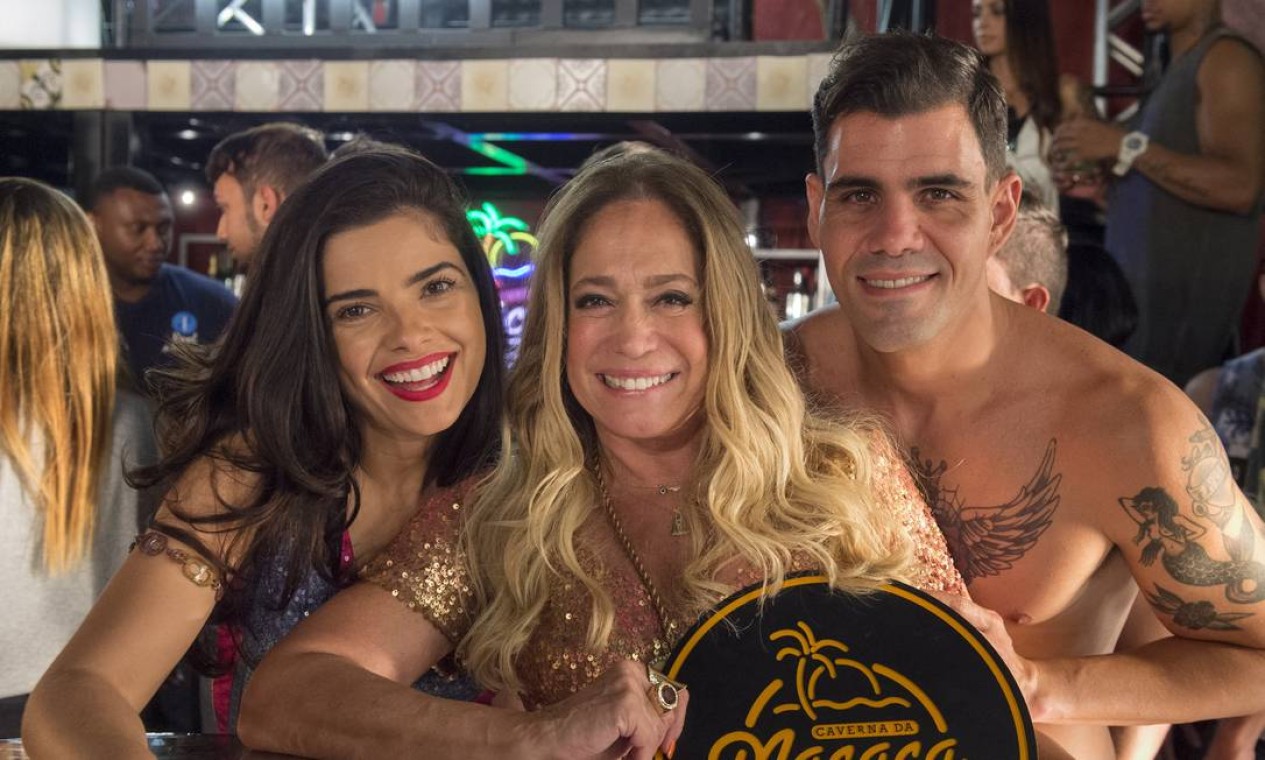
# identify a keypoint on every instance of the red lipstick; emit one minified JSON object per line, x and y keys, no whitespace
{"x":422,"y":390}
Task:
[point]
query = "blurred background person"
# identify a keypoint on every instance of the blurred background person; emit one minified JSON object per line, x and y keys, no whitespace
{"x":251,"y":173}
{"x":65,"y":434}
{"x":1231,"y":396}
{"x":1183,"y":218}
{"x":1017,"y":38}
{"x":1098,"y":298}
{"x":156,"y":304}
{"x":1031,"y":268}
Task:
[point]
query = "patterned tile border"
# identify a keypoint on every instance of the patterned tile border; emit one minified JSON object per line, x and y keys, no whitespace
{"x":630,"y":85}
{"x":779,"y":83}
{"x":83,"y":84}
{"x":533,"y":84}
{"x":10,"y":85}
{"x":438,"y":86}
{"x":745,"y":83}
{"x":124,"y":86}
{"x":258,"y":86}
{"x":681,"y":84}
{"x":169,"y":86}
{"x":346,"y":86}
{"x":40,"y":84}
{"x":302,"y":86}
{"x":731,"y":84}
{"x":213,"y":85}
{"x":392,"y":86}
{"x":485,"y":86}
{"x":582,"y":84}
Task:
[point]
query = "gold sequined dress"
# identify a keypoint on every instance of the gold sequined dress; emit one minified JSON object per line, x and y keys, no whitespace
{"x":424,"y":569}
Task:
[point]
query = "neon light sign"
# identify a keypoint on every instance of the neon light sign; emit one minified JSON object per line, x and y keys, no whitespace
{"x":503,"y":236}
{"x":508,"y":243}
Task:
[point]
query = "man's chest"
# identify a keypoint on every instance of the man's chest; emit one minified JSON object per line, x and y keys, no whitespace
{"x":1019,"y":519}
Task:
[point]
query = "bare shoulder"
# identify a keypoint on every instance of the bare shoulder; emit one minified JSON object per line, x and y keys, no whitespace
{"x":819,"y":349}
{"x":1232,"y":55}
{"x":1097,"y":385}
{"x":814,"y":331}
{"x":1117,"y":421}
{"x":208,"y":498}
{"x":1232,"y":75}
{"x":1151,"y":475}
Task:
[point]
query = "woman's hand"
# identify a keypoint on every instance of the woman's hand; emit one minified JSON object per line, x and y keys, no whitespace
{"x":993,"y":627}
{"x":614,"y":717}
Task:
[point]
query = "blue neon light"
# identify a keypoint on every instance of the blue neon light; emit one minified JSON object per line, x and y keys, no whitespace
{"x":513,"y":274}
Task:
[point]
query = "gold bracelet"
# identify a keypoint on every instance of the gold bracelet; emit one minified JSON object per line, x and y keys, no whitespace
{"x":197,"y":570}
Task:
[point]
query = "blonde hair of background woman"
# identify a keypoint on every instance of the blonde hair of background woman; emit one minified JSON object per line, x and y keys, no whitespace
{"x":58,"y":350}
{"x":776,"y":482}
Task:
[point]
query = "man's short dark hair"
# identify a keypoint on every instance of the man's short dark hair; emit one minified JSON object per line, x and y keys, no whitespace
{"x":279,"y":154}
{"x":899,"y":74}
{"x":120,"y":178}
{"x":1037,"y":250}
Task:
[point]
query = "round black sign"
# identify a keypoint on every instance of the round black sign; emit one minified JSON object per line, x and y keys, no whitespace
{"x":815,"y":674}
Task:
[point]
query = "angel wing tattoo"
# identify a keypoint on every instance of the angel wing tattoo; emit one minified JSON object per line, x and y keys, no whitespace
{"x":991,"y":539}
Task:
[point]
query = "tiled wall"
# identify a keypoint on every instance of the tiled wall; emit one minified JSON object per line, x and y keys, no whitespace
{"x":747,"y":83}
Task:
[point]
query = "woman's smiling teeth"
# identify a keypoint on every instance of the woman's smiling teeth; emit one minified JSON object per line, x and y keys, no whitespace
{"x":636,"y":383}
{"x":903,"y":282}
{"x":419,"y":374}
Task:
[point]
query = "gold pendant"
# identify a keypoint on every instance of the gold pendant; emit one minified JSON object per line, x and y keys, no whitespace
{"x":678,"y":523}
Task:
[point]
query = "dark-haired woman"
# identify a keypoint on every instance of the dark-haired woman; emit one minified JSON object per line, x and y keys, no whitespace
{"x":360,"y":378}
{"x":1018,"y":39}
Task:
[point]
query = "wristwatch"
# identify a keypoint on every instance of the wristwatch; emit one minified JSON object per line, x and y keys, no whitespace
{"x":1133,"y":145}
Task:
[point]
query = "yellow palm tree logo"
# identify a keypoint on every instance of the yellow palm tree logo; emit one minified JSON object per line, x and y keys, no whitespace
{"x":824,"y":657}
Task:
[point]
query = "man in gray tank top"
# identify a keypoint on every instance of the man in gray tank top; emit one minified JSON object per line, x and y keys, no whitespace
{"x":1184,"y":216}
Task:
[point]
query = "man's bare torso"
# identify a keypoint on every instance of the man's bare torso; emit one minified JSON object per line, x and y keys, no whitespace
{"x":1022,"y":480}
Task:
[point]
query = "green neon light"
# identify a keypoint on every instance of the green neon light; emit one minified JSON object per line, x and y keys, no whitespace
{"x":501,"y":235}
{"x":494,"y":171}
{"x":498,"y":154}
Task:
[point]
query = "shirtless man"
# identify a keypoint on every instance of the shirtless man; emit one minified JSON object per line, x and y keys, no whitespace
{"x":1060,"y":470}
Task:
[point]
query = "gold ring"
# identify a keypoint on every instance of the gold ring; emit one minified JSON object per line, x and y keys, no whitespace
{"x":664,"y":693}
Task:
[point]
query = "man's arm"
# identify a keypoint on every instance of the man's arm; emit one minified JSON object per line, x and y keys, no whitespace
{"x":1197,"y":551}
{"x":1228,"y":172}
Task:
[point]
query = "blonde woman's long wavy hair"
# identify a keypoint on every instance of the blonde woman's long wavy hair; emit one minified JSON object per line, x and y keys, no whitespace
{"x":775,"y":482}
{"x":58,"y":350}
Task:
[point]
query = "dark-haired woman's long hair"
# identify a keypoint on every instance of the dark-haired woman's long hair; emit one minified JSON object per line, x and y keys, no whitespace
{"x":1030,"y":47}
{"x":266,"y":399}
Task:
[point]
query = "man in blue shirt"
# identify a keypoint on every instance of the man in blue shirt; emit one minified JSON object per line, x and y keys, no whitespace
{"x":155,"y":304}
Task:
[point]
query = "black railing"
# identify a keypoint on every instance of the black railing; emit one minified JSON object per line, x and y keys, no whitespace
{"x":417,"y":24}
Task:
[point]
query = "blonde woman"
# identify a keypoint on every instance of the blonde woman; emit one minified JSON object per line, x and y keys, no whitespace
{"x":68,"y":516}
{"x":664,"y":458}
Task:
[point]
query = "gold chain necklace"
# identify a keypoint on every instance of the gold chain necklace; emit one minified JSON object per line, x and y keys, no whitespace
{"x":660,"y":609}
